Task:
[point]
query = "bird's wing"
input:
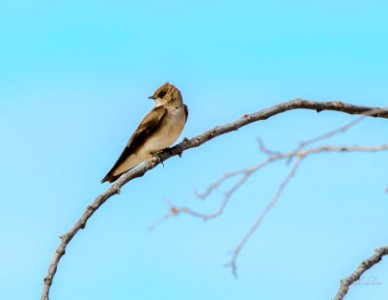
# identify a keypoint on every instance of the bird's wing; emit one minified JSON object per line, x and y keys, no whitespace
{"x":148,"y":125}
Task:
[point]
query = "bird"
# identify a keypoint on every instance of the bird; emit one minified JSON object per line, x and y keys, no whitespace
{"x":159,"y":129}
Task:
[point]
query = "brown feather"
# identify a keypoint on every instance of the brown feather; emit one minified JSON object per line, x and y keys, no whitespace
{"x":148,"y":125}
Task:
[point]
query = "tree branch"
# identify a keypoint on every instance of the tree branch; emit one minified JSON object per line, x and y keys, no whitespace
{"x":192,"y":143}
{"x":245,"y":174}
{"x":233,"y":261}
{"x":361,"y":269}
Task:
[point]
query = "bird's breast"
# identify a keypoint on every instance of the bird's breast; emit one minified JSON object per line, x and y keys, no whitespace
{"x":169,"y":131}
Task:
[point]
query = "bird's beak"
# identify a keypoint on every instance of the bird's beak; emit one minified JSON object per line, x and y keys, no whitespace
{"x":151,"y":97}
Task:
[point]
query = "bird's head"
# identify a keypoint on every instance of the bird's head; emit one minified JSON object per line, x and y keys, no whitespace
{"x":166,"y":94}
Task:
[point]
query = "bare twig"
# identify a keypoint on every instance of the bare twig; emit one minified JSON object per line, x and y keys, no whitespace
{"x":341,"y":129}
{"x":245,"y":173}
{"x":232,"y":263}
{"x":300,"y":155}
{"x":192,"y":143}
{"x":263,"y":148}
{"x":361,"y":269}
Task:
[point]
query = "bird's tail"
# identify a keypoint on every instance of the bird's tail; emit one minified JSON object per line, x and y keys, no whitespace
{"x":111,"y":178}
{"x":124,"y":165}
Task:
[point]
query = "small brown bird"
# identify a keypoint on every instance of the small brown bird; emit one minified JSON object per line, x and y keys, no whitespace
{"x":159,"y":129}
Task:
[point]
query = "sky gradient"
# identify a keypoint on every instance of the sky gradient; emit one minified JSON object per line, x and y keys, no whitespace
{"x":74,"y":82}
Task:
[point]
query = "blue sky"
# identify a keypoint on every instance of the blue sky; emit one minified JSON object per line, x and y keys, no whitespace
{"x":74,"y":81}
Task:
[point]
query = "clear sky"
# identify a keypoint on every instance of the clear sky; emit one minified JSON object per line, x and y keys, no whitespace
{"x":74,"y":82}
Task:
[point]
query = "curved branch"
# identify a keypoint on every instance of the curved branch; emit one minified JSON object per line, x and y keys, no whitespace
{"x":192,"y":143}
{"x":361,"y":269}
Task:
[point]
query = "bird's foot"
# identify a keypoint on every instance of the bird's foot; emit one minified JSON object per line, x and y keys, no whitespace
{"x":168,"y":151}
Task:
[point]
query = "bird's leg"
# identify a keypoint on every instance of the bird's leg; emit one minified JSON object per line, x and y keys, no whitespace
{"x":185,"y":140}
{"x":157,"y":153}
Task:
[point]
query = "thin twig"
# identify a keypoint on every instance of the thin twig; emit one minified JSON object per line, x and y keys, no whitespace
{"x":300,"y":156}
{"x":236,"y":251}
{"x":264,"y":149}
{"x":188,"y":144}
{"x":361,"y":269}
{"x":247,"y":173}
{"x":339,"y":129}
{"x":216,"y":184}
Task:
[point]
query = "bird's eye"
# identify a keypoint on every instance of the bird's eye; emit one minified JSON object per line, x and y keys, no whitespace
{"x":162,"y":94}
